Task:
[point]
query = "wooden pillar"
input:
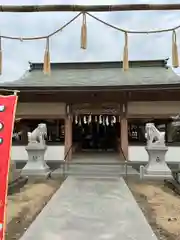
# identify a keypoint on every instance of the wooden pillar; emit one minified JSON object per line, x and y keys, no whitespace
{"x":68,"y":136}
{"x":169,"y":133}
{"x":124,"y":130}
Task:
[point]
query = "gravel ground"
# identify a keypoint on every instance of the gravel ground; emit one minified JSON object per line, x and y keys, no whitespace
{"x":24,"y":206}
{"x":160,"y":206}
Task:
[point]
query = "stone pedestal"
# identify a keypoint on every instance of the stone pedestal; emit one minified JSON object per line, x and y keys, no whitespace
{"x":157,"y":167}
{"x":36,"y":165}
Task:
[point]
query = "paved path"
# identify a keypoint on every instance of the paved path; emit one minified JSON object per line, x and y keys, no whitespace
{"x":91,"y":209}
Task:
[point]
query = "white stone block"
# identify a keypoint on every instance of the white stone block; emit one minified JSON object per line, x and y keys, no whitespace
{"x":36,"y":165}
{"x":157,"y":166}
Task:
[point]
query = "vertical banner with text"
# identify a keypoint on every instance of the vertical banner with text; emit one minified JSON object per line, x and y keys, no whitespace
{"x":7,"y":116}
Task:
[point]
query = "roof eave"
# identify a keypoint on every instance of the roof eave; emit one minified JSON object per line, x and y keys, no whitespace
{"x":153,"y":87}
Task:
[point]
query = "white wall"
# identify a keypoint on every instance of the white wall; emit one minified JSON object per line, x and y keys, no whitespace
{"x":138,"y":153}
{"x":52,"y":153}
{"x":56,"y":153}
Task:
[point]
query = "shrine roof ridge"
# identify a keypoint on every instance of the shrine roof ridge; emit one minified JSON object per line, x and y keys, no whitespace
{"x":100,"y":64}
{"x":73,"y":75}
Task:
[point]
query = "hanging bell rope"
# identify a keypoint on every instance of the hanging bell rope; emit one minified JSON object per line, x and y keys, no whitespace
{"x":84,"y":32}
{"x":0,"y":55}
{"x":175,"y":59}
{"x":47,"y":64}
{"x":125,"y":55}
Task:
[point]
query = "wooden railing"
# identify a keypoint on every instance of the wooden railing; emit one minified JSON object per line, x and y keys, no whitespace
{"x":66,"y":161}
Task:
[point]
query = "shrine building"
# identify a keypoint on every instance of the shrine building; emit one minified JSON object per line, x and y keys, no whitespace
{"x":96,"y":106}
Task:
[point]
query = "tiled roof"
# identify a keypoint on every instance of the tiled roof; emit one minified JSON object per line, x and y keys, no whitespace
{"x":98,"y":74}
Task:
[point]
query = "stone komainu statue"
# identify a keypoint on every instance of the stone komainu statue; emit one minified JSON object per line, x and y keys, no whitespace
{"x":38,"y":135}
{"x":153,"y":135}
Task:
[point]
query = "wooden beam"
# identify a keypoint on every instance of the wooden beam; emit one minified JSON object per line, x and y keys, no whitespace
{"x":149,"y":116}
{"x":88,"y":8}
{"x":47,"y":116}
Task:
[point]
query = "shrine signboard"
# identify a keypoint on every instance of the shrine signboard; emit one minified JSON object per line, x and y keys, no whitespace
{"x":102,"y":109}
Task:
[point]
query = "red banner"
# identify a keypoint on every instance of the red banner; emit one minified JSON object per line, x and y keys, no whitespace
{"x":7,"y":116}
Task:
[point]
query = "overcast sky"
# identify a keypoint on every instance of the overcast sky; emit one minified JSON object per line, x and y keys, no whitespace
{"x":104,"y":44}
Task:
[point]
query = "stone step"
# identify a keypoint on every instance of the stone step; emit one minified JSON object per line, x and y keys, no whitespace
{"x":99,"y":167}
{"x":104,"y":173}
{"x":79,"y":171}
{"x":87,"y":173}
{"x":96,"y":165}
{"x":109,"y":163}
{"x":113,"y":168}
{"x":102,"y":177}
{"x":69,"y":172}
{"x":95,"y":172}
{"x":57,"y":174}
{"x":97,"y":158}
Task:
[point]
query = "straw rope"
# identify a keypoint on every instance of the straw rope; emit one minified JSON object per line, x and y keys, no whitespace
{"x":134,"y":31}
{"x":96,"y":18}
{"x":84,"y":39}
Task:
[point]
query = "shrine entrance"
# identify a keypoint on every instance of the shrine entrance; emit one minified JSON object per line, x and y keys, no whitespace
{"x":96,"y":133}
{"x":96,"y":127}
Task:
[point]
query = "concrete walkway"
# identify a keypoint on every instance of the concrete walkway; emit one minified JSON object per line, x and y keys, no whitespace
{"x":91,"y":209}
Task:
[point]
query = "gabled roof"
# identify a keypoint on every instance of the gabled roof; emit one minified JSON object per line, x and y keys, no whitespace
{"x":98,"y":74}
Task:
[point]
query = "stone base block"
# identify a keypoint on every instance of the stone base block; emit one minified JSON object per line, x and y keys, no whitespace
{"x":36,"y":173}
{"x":36,"y":166}
{"x":156,"y":177}
{"x":157,"y":167}
{"x":155,"y":174}
{"x":157,"y":170}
